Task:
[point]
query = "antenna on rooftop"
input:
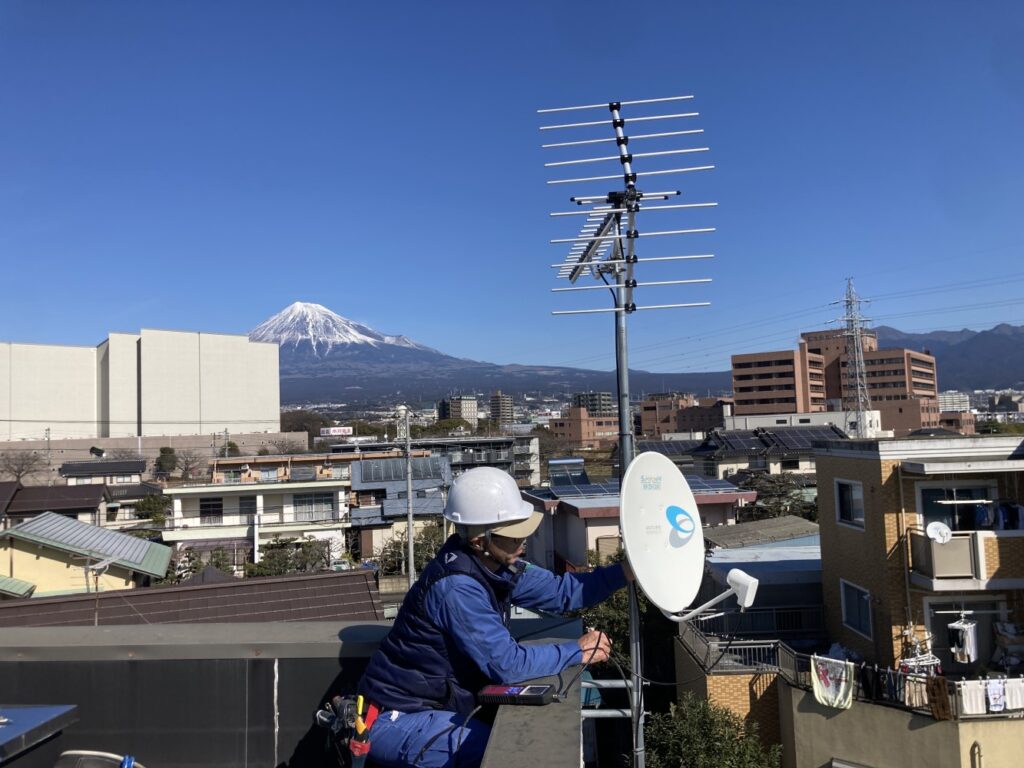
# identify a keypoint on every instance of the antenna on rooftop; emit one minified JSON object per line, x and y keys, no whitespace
{"x":605,"y":248}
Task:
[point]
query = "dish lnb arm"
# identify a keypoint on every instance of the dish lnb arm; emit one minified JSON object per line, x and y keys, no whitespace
{"x":741,"y":584}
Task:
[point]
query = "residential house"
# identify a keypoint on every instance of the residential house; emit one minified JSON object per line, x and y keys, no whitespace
{"x":581,"y":516}
{"x":254,"y":499}
{"x":123,"y":478}
{"x":59,"y":554}
{"x":725,"y":452}
{"x":86,"y":503}
{"x":519,"y":455}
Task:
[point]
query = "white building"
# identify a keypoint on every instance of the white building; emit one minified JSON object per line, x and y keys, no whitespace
{"x":138,"y":385}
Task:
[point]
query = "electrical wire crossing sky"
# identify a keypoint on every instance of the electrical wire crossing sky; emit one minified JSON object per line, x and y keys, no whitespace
{"x":200,"y":166}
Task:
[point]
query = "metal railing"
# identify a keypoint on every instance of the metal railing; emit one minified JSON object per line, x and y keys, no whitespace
{"x":775,"y":622}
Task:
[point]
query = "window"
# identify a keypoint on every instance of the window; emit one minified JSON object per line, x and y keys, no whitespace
{"x":232,"y":475}
{"x":211,"y":511}
{"x":314,"y":506}
{"x":268,"y":475}
{"x":341,"y":472}
{"x":949,"y":503}
{"x":247,"y":506}
{"x":122,"y":479}
{"x":856,"y":608}
{"x":850,"y":503}
{"x":789,"y":464}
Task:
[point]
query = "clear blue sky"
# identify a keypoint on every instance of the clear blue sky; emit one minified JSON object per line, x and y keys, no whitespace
{"x":200,"y":165}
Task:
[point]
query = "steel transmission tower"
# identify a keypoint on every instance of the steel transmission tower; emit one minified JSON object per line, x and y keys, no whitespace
{"x":855,"y":386}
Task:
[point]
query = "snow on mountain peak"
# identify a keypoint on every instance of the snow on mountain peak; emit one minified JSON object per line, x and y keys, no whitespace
{"x":322,"y":329}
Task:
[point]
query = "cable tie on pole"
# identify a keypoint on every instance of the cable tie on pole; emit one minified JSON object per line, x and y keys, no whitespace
{"x":630,"y":308}
{"x":630,"y":283}
{"x":630,"y":177}
{"x":633,"y":234}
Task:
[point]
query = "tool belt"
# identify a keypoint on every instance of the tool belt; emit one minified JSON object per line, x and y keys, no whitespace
{"x":359,"y":742}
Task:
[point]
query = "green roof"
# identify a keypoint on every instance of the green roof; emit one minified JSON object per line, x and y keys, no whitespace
{"x":16,"y":587}
{"x":70,"y":535}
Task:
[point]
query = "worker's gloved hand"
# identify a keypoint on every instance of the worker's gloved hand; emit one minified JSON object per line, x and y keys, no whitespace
{"x":596,"y":646}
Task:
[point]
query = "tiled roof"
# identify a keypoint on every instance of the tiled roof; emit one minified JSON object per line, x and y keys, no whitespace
{"x":7,"y":491}
{"x":70,"y":535}
{"x":16,"y":587}
{"x":52,"y":498}
{"x":760,"y":531}
{"x":103,"y":467}
{"x":345,"y":596}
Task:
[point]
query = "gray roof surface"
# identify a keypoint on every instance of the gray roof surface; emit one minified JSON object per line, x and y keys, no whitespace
{"x":102,"y":467}
{"x":50,"y":498}
{"x":7,"y":491}
{"x":760,"y":531}
{"x":70,"y":535}
{"x":16,"y":587}
{"x":428,"y":472}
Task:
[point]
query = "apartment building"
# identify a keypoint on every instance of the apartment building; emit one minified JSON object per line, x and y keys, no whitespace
{"x":582,"y":430}
{"x":501,"y":408}
{"x":459,"y":407}
{"x":887,"y":582}
{"x":786,"y":381}
{"x":250,"y":500}
{"x":596,"y":403}
{"x":658,"y":413}
{"x":708,"y":413}
{"x":519,"y":455}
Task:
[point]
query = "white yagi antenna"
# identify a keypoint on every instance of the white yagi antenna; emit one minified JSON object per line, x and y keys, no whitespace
{"x":606,"y":249}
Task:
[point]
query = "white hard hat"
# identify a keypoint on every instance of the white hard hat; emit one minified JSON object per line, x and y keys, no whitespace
{"x":488,"y":498}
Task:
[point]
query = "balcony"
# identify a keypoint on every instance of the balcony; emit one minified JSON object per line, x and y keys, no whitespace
{"x":970,"y":560}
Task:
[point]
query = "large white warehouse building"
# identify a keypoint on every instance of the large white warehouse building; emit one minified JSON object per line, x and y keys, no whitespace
{"x":138,"y":385}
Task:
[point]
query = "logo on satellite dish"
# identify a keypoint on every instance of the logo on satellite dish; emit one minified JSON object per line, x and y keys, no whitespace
{"x":683,"y":525}
{"x":650,"y":482}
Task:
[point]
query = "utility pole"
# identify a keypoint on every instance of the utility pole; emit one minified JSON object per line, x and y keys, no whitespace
{"x":227,"y":439}
{"x":403,"y":431}
{"x":49,"y":464}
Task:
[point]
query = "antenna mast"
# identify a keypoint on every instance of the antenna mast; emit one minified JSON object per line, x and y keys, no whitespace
{"x":606,"y":249}
{"x":855,"y":389}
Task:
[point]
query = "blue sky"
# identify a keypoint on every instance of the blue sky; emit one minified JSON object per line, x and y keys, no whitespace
{"x":200,"y":165}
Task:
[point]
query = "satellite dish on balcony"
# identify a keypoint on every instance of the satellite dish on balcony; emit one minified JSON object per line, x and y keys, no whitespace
{"x":661,"y":531}
{"x":938,"y":532}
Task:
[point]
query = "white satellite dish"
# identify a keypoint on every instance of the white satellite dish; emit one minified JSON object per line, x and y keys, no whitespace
{"x":661,"y":531}
{"x":938,"y":532}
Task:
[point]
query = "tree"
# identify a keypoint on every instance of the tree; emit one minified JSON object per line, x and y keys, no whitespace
{"x":230,"y":449}
{"x":19,"y":464}
{"x":285,"y":447}
{"x":190,"y":563}
{"x":777,"y":495}
{"x":166,"y":462}
{"x":221,"y":560}
{"x":697,"y":734}
{"x":153,"y":507}
{"x":189,"y":461}
{"x":309,"y":422}
{"x":123,"y":454}
{"x":281,"y":556}
{"x":394,"y":554}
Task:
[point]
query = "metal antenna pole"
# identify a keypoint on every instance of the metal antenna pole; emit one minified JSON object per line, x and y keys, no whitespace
{"x":403,"y":425}
{"x":606,"y":248}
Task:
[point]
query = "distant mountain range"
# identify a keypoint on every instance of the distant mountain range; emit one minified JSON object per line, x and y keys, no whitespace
{"x":992,"y":359}
{"x":326,"y":357}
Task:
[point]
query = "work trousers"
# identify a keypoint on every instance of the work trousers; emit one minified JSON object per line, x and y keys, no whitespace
{"x":397,"y":739}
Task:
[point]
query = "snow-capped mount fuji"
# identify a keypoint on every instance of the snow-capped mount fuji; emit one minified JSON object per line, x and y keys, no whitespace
{"x":314,"y":325}
{"x":324,"y":357}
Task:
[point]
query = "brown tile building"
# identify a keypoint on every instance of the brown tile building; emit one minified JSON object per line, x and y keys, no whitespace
{"x":581,"y":430}
{"x":787,"y":381}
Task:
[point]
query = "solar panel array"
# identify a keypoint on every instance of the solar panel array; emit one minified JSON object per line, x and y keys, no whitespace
{"x":391,"y":470}
{"x":698,"y":484}
{"x":802,"y":438}
{"x":739,"y":440}
{"x":668,"y":447}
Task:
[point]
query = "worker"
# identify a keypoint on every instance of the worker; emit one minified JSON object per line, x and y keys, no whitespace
{"x":451,"y":636}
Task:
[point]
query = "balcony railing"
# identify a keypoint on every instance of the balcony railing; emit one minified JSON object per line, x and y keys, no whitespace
{"x":956,"y":559}
{"x":774,"y":622}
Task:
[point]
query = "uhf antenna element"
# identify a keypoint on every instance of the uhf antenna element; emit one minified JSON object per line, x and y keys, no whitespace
{"x":605,"y":246}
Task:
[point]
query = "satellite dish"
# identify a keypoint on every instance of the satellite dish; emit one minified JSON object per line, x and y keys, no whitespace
{"x":938,"y":532}
{"x":661,"y":531}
